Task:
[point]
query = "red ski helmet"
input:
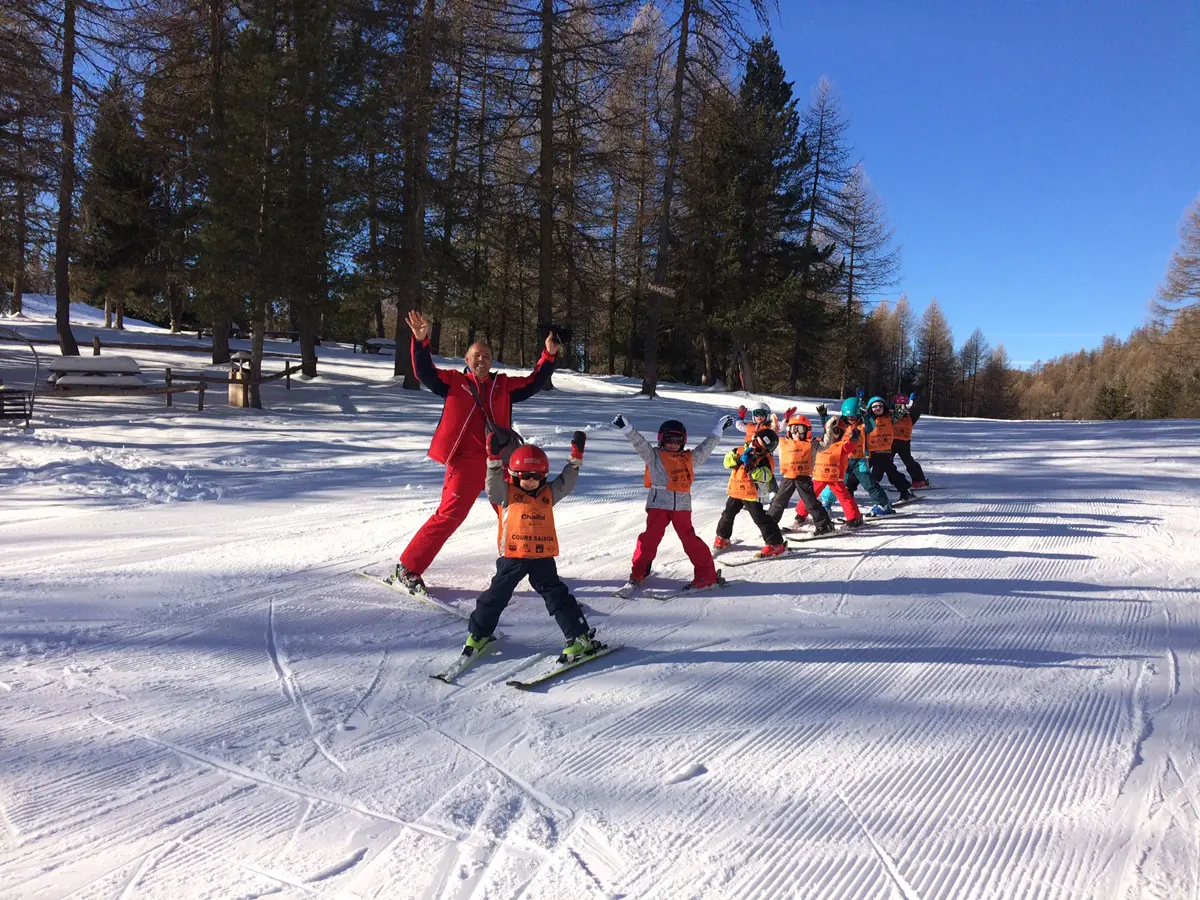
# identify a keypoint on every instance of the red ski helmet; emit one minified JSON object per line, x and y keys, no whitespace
{"x":528,"y":460}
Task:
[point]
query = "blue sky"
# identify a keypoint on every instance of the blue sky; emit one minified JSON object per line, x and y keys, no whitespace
{"x":1035,"y":158}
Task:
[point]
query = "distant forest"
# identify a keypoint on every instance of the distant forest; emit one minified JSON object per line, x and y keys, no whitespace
{"x":641,"y":177}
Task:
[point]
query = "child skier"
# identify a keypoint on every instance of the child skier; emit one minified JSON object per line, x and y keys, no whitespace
{"x":760,"y":417}
{"x":670,"y":471}
{"x":796,"y":465}
{"x":834,"y":451}
{"x":753,"y":466}
{"x":859,"y":471}
{"x":528,"y":544}
{"x":902,"y":430}
{"x":880,"y":438}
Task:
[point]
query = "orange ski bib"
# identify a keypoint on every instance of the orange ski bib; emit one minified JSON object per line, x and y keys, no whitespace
{"x":680,"y":470}
{"x":527,"y":525}
{"x":880,"y":440}
{"x":902,"y":430}
{"x":795,"y":458}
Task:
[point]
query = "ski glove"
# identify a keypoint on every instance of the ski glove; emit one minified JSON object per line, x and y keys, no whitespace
{"x":578,"y":439}
{"x":788,"y":413}
{"x":496,"y":442}
{"x":822,"y":409}
{"x":742,"y":413}
{"x":723,"y":425}
{"x":747,"y":457}
{"x":622,"y":423}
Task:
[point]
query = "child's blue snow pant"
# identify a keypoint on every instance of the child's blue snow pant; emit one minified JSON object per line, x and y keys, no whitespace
{"x":543,"y":578}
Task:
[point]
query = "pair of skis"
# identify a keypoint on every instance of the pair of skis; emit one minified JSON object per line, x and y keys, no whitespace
{"x":464,"y":661}
{"x":632,"y":589}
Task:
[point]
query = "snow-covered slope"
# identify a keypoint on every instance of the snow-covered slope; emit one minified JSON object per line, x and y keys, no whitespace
{"x":994,"y":696}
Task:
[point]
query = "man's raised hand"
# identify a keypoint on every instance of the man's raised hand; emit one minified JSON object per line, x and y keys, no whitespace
{"x":552,"y":344}
{"x":418,"y":324}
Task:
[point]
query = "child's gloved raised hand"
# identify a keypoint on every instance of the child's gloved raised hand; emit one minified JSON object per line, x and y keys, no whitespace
{"x":742,"y":413}
{"x":496,"y":442}
{"x":723,"y":425}
{"x":622,"y":423}
{"x":788,"y":413}
{"x":822,"y":409}
{"x":578,"y":440}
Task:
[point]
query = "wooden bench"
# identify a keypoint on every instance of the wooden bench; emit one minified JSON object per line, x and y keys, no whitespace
{"x":376,"y":345}
{"x":91,"y":372}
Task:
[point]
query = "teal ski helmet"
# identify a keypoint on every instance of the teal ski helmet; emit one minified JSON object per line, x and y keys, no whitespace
{"x":851,"y":406}
{"x":875,"y":400}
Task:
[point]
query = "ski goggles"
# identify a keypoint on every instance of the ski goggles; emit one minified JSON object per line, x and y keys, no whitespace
{"x":798,"y":431}
{"x":527,"y":476}
{"x":760,"y":413}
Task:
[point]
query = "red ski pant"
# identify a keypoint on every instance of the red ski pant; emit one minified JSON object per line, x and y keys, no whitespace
{"x":849,"y":507}
{"x":657,"y":521}
{"x":462,"y":487}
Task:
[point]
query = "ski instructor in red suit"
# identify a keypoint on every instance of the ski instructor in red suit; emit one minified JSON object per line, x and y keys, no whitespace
{"x":476,"y":400}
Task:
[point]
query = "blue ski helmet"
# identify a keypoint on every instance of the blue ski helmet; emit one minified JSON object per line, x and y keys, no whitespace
{"x":875,"y":400}
{"x":851,"y":406}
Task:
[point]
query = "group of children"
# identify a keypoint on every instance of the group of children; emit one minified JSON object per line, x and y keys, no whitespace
{"x":857,"y":447}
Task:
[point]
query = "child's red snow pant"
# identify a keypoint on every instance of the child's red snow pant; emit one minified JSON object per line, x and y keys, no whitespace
{"x":657,"y":521}
{"x":462,"y":487}
{"x":844,"y":497}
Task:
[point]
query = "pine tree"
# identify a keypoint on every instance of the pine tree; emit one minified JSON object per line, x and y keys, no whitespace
{"x":115,"y":211}
{"x":935,"y":360}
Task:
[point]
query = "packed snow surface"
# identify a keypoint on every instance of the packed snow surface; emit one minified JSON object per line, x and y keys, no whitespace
{"x":992,"y":696}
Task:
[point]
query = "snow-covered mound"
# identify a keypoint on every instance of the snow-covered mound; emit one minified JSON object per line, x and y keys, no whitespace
{"x":994,"y":695}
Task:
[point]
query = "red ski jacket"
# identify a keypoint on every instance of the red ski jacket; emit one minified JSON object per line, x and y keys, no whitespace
{"x":461,"y":427}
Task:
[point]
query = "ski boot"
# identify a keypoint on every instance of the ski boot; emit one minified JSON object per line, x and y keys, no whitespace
{"x":473,"y":644}
{"x":855,"y":523}
{"x":906,"y":494}
{"x":700,"y":582}
{"x":882,"y":510}
{"x":826,"y":528}
{"x":579,"y":647}
{"x":721,"y":543}
{"x":772,"y":550}
{"x":410,"y":580}
{"x":920,"y":484}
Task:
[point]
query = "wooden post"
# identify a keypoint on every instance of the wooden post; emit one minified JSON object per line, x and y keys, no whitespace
{"x":96,"y":345}
{"x":168,"y":385}
{"x":287,"y":376}
{"x":200,"y":401}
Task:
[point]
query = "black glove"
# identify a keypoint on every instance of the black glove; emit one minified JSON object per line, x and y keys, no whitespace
{"x":496,"y":443}
{"x":822,"y":409}
{"x":578,"y":439}
{"x":619,"y":422}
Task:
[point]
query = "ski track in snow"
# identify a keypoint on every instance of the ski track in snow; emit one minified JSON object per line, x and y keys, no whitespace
{"x":994,"y":695}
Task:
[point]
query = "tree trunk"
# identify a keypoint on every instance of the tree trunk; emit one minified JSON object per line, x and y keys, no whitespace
{"x":373,"y":238}
{"x":120,"y":315}
{"x":448,"y":207}
{"x":108,"y":312}
{"x":545,"y":307}
{"x":66,"y":189}
{"x":220,"y":305}
{"x":613,"y":276}
{"x":710,"y":363}
{"x":22,"y":225}
{"x":415,"y":126}
{"x":654,"y":312}
{"x":175,"y":305}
